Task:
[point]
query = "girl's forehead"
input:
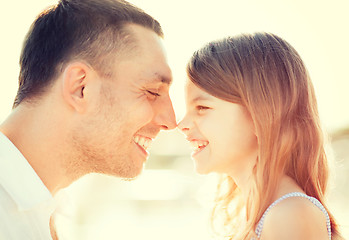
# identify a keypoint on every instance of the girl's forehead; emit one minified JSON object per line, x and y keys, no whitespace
{"x":194,"y":93}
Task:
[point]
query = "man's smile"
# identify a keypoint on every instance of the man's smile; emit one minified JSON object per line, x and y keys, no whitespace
{"x":142,"y":141}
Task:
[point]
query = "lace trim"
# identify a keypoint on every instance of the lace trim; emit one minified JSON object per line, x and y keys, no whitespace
{"x":294,"y":194}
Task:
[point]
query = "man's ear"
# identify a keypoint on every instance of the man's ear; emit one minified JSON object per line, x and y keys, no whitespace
{"x":75,"y":78}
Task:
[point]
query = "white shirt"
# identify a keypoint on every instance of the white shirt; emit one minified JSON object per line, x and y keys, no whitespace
{"x":25,"y":203}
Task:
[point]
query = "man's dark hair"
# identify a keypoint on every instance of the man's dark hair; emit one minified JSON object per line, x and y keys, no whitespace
{"x":76,"y":29}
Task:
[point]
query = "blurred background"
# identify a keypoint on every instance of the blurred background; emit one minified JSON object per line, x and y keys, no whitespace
{"x":169,"y":200}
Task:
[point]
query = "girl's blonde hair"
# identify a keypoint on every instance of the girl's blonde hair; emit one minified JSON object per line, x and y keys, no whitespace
{"x":266,"y":75}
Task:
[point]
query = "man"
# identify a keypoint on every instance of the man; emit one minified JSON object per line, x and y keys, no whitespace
{"x":93,"y":93}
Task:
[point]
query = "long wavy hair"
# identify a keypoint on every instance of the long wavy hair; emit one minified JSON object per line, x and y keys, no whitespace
{"x":265,"y":74}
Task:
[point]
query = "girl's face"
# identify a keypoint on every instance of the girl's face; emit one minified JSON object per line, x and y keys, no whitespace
{"x":222,"y":133}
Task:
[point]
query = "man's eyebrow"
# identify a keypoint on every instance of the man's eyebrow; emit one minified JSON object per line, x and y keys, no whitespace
{"x":163,"y":78}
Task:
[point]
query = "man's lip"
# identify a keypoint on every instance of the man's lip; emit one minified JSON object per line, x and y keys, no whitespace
{"x":143,"y":146}
{"x":144,"y":152}
{"x":150,"y":137}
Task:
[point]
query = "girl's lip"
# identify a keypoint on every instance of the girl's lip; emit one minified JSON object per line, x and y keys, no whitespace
{"x":190,"y":139}
{"x":198,"y":151}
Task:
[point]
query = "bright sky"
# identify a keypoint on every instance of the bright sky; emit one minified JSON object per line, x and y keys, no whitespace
{"x":317,"y":29}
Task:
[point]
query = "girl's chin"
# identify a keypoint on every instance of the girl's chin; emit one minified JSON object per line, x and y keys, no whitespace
{"x":202,"y":168}
{"x":202,"y":161}
{"x":202,"y":172}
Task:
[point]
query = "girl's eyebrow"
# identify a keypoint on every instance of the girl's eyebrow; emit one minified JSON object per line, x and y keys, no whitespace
{"x":199,"y":98}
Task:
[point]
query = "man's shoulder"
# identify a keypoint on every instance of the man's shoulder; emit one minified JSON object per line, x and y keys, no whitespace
{"x":17,"y":224}
{"x":9,"y":216}
{"x":6,"y":201}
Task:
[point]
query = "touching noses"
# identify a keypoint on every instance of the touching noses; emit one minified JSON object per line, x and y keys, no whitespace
{"x":166,"y":117}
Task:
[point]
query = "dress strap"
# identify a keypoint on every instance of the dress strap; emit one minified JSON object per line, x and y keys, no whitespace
{"x":294,"y":194}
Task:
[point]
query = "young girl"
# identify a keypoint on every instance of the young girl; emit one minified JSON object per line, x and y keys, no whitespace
{"x":252,"y":117}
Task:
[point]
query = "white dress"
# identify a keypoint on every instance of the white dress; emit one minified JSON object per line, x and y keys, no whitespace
{"x":294,"y":194}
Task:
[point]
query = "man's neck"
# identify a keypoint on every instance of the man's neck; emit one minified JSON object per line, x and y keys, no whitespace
{"x":36,"y":136}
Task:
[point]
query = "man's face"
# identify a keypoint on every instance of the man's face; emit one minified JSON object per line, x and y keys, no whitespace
{"x":132,"y":107}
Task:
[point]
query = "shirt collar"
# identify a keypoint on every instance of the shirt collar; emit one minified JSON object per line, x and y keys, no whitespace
{"x":19,"y":179}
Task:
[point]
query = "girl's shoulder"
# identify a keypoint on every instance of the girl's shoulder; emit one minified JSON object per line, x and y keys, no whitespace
{"x":296,"y":218}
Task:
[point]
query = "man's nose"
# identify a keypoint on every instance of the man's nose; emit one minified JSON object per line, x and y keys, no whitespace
{"x":166,"y":117}
{"x":183,"y":125}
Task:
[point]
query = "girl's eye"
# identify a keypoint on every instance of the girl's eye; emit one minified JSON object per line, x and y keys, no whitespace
{"x":201,"y":109}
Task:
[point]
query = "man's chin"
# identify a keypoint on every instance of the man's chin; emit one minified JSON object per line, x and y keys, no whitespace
{"x":129,"y":173}
{"x":132,"y":175}
{"x":125,"y":167}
